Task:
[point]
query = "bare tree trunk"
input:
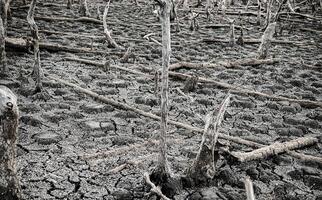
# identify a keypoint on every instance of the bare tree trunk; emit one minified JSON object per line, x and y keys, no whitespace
{"x":83,"y":9}
{"x":203,"y":167}
{"x":166,"y":50}
{"x":37,"y":71}
{"x":3,"y":61}
{"x":110,"y":40}
{"x":249,"y":189}
{"x":266,"y":41}
{"x":232,"y":33}
{"x":69,"y":4}
{"x":9,"y":183}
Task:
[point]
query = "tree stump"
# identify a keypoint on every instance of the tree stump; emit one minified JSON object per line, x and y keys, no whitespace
{"x":9,"y":183}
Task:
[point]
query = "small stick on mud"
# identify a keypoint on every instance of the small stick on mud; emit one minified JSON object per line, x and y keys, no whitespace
{"x":266,"y":41}
{"x":249,"y":189}
{"x":110,"y":40}
{"x":37,"y":71}
{"x":83,"y":9}
{"x":204,"y":166}
{"x":9,"y":114}
{"x":275,"y":149}
{"x":3,"y":60}
{"x":154,"y":188}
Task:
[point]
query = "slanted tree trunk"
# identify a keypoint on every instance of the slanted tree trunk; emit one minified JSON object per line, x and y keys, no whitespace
{"x":9,"y":183}
{"x":203,"y":168}
{"x":266,"y":41}
{"x":109,"y":39}
{"x":37,"y":71}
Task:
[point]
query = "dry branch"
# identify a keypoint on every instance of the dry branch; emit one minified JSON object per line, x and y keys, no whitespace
{"x":275,"y":149}
{"x":110,"y":40}
{"x":9,"y":114}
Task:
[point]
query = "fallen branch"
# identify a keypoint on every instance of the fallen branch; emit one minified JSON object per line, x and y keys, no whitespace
{"x":227,"y":64}
{"x":79,"y":19}
{"x":233,"y":89}
{"x":274,"y":149}
{"x":251,"y":41}
{"x":125,"y":106}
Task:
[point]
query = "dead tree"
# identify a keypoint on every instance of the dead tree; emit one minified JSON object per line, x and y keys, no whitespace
{"x":83,"y":8}
{"x":69,"y":4}
{"x":232,"y":33}
{"x":162,"y":174}
{"x":37,"y":71}
{"x":9,"y":183}
{"x":249,"y":189}
{"x":266,"y":41}
{"x":109,"y":39}
{"x":203,"y":168}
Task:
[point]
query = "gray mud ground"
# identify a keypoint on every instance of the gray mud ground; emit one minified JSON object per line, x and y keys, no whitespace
{"x":55,"y":134}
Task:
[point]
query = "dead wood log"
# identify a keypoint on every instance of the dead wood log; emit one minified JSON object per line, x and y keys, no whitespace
{"x":266,"y":41}
{"x":227,"y":64}
{"x":3,"y":60}
{"x":125,"y":106}
{"x":249,"y":189}
{"x":251,"y":41}
{"x":204,"y":166}
{"x":109,"y":39}
{"x":79,"y":19}
{"x":37,"y":70}
{"x":9,"y":114}
{"x":25,"y":45}
{"x":274,"y":149}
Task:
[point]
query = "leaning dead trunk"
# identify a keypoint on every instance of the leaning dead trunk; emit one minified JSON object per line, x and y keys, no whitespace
{"x":203,"y":168}
{"x":9,"y":184}
{"x":109,"y":39}
{"x":37,"y":71}
{"x":266,"y":41}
